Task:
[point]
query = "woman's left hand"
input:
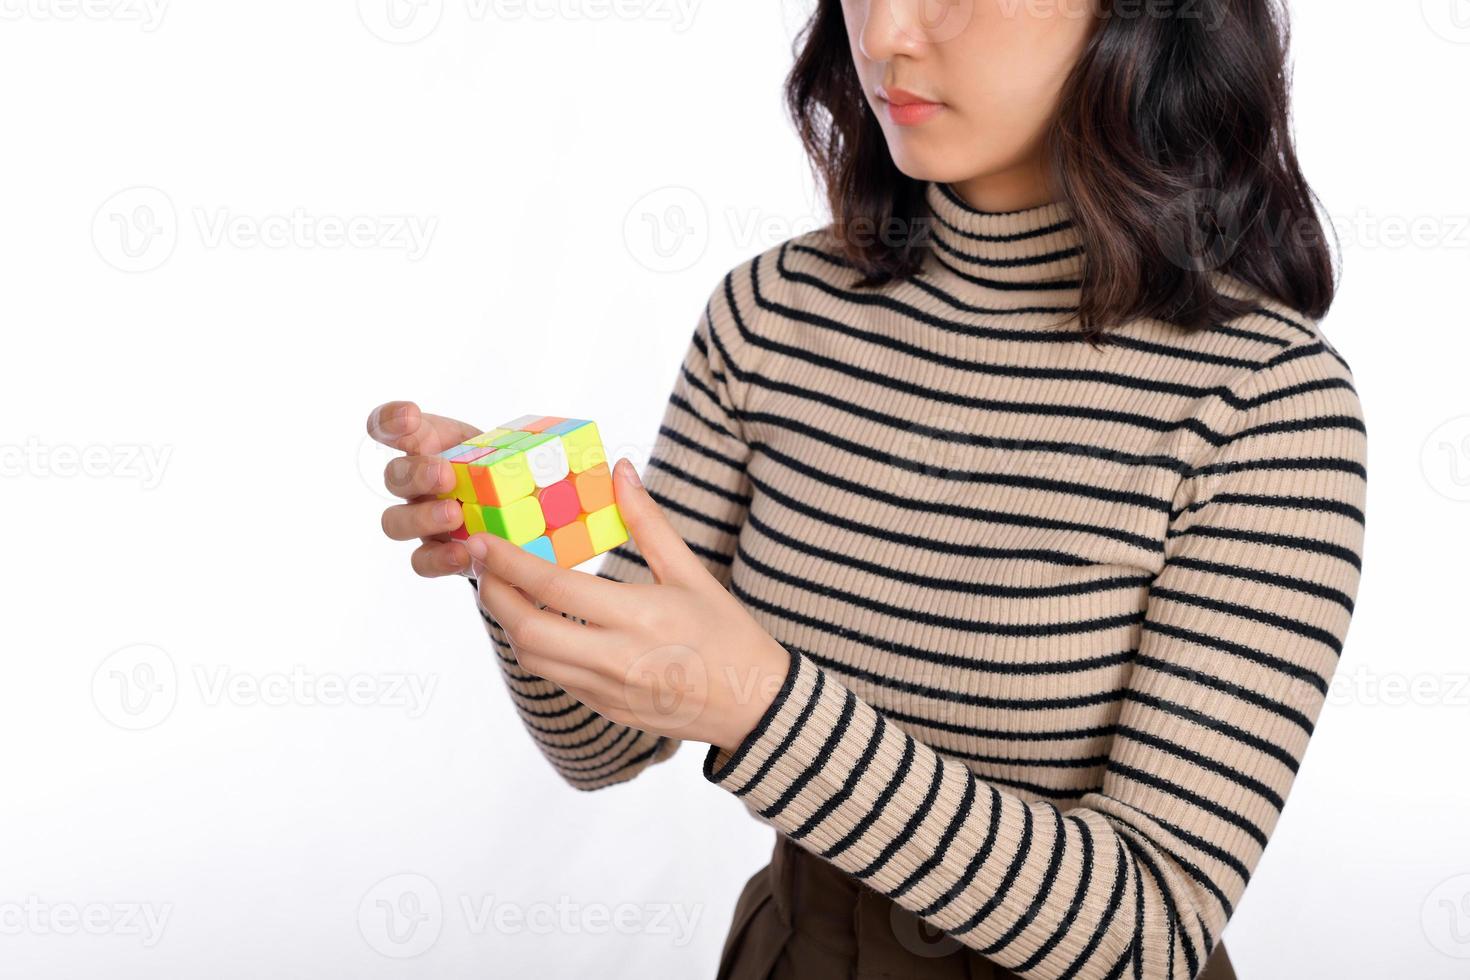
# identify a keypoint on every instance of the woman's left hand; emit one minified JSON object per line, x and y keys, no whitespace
{"x":678,"y":657}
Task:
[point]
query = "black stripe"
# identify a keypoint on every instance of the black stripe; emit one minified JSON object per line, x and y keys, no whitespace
{"x":919,"y":281}
{"x":1074,"y":908}
{"x":867,"y":490}
{"x":829,"y":439}
{"x":632,"y":763}
{"x":1286,"y":623}
{"x":1062,"y":335}
{"x":1149,"y":779}
{"x":1045,"y":792}
{"x":935,"y":657}
{"x":1231,"y":330}
{"x":1043,"y":892}
{"x":678,"y":438}
{"x":1022,"y":856}
{"x":627,"y":553}
{"x":789,"y":739}
{"x":902,"y":838}
{"x":562,"y":764}
{"x":1007,"y":262}
{"x":771,"y":493}
{"x":1176,"y":929}
{"x":1190,"y":868}
{"x":1204,"y":762}
{"x":1115,"y":902}
{"x":1105,"y":454}
{"x":1317,"y":423}
{"x":1279,"y":664}
{"x":1197,"y":842}
{"x":849,"y":785}
{"x":998,"y":734}
{"x":1277,"y":541}
{"x":1265,"y":578}
{"x":1005,"y":285}
{"x":962,"y":883}
{"x":849,"y":706}
{"x":921,"y":353}
{"x":678,"y":507}
{"x":880,"y":804}
{"x":940,"y":583}
{"x":936,"y":857}
{"x":911,"y":616}
{"x":1281,"y":394}
{"x":677,"y":399}
{"x":740,"y":500}
{"x":954,"y":198}
{"x":1214,"y":724}
{"x":1023,"y":408}
{"x":1320,"y":505}
{"x":1290,"y":464}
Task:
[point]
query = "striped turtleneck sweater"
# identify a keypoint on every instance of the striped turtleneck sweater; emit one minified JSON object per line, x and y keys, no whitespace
{"x":1061,"y":615}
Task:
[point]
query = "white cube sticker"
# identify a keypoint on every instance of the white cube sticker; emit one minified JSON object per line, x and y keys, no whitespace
{"x":548,"y":462}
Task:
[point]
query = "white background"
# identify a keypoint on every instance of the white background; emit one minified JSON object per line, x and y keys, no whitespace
{"x":186,"y":490}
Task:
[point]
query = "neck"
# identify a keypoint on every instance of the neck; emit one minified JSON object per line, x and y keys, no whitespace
{"x":1021,"y":187}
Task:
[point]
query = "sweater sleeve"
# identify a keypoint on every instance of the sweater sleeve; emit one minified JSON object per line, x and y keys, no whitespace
{"x":696,"y":472}
{"x":1243,"y":628}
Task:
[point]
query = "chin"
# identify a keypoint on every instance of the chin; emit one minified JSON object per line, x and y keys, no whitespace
{"x":935,"y":163}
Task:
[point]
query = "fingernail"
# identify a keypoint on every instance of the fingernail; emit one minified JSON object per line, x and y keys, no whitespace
{"x":477,"y":547}
{"x":452,"y":512}
{"x":629,"y":473}
{"x":398,"y":471}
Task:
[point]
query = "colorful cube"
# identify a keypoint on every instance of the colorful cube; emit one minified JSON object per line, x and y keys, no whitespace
{"x":541,"y":482}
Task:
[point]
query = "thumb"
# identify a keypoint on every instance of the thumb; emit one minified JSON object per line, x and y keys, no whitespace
{"x":668,"y":557}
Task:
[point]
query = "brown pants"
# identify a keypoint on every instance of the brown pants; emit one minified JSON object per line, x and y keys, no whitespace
{"x":803,"y":918}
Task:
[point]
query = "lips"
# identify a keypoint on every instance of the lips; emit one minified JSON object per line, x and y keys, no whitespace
{"x":907,"y":108}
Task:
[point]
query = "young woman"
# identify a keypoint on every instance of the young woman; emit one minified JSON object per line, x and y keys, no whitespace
{"x":999,"y":539}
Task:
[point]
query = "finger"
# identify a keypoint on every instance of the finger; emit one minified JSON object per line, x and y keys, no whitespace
{"x":668,"y":557}
{"x":404,"y":522}
{"x":580,"y":682}
{"x":436,"y":559}
{"x":588,"y":597}
{"x":534,"y":632}
{"x":401,"y":425}
{"x":418,"y":476}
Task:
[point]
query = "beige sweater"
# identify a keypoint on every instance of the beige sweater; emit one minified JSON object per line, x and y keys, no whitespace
{"x":1061,"y":617}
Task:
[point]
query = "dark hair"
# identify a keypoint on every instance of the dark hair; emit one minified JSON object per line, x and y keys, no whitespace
{"x":1171,"y":146}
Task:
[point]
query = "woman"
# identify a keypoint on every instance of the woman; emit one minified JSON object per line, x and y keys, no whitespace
{"x":999,"y":539}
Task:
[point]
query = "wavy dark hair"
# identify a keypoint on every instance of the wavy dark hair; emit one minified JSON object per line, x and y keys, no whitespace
{"x":1171,"y":145}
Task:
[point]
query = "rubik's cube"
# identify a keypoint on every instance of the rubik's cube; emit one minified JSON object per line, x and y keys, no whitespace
{"x":541,"y":482}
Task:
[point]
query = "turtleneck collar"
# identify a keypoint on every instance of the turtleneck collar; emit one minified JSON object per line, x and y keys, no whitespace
{"x":1035,"y":248}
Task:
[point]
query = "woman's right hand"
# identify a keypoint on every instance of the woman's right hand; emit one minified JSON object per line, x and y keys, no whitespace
{"x":419,"y":477}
